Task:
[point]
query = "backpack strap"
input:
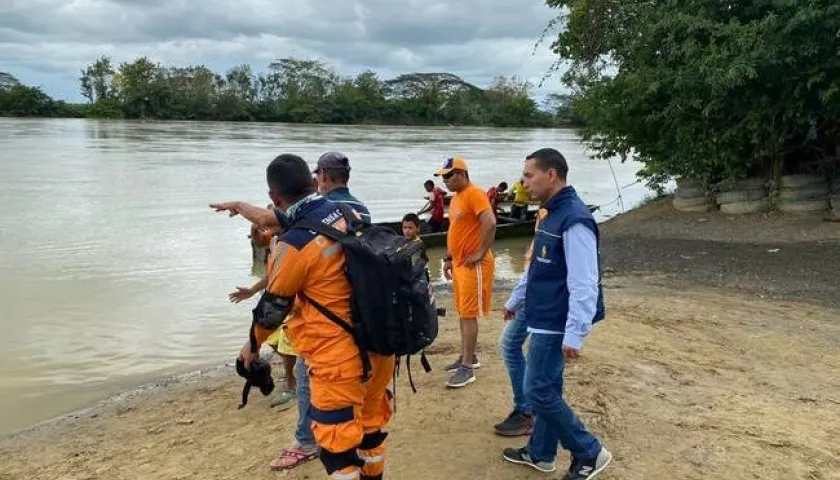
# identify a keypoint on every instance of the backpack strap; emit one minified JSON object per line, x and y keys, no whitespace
{"x":423,"y":361}
{"x":353,"y":219}
{"x":319,"y":227}
{"x":366,"y":366}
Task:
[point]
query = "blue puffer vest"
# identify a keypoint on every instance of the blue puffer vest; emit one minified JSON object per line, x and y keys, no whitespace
{"x":547,"y":295}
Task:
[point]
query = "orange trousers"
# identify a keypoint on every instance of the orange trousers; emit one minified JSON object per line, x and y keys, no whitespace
{"x":349,"y":415}
{"x":472,"y":288}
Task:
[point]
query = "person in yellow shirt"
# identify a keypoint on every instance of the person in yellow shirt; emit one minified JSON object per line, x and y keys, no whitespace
{"x":520,"y":200}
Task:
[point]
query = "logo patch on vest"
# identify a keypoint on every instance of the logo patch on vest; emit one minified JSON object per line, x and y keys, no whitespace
{"x":543,"y":257}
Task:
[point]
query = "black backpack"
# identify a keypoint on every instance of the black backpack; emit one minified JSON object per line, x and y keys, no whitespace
{"x":392,"y":303}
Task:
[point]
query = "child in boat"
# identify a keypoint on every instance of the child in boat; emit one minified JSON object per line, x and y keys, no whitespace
{"x":411,"y":231}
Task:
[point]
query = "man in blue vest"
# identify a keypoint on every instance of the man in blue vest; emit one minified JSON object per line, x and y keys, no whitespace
{"x":563,"y":298}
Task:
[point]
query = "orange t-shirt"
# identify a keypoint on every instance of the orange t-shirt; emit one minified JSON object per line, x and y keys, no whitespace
{"x":464,"y":237}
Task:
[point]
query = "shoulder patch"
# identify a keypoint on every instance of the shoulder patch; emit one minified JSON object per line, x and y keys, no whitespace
{"x":297,"y":237}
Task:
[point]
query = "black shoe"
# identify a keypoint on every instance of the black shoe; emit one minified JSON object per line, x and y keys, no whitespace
{"x":587,"y":469}
{"x":516,"y":424}
{"x":520,"y":456}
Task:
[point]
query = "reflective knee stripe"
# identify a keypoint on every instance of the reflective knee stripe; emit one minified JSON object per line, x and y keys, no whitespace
{"x":345,"y":476}
{"x":331,"y":417}
{"x":373,"y":459}
{"x":480,"y":277}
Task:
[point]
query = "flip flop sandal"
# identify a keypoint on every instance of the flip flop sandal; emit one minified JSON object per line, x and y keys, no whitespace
{"x":291,"y":458}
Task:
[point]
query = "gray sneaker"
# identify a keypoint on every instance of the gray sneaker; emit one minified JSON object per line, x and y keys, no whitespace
{"x":461,"y":378}
{"x":587,"y":469}
{"x":520,"y":456}
{"x":453,"y":367}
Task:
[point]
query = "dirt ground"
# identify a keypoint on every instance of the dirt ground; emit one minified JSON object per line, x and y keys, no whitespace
{"x":783,"y":257}
{"x":683,"y":380}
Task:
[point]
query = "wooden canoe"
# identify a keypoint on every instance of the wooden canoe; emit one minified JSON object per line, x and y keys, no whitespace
{"x":506,"y":227}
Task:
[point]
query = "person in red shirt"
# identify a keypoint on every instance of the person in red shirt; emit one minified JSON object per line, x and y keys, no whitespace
{"x":495,"y":195}
{"x":436,"y":202}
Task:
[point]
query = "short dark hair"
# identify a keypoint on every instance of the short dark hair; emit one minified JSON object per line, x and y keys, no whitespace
{"x":503,"y":186}
{"x":289,"y":176}
{"x":337,"y":175}
{"x":412,"y":217}
{"x":429,"y":183}
{"x":548,"y":158}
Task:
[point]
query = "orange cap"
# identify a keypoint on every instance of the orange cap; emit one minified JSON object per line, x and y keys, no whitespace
{"x":452,"y":163}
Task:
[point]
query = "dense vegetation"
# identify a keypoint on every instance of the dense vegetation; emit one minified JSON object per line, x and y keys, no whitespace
{"x":710,"y":89}
{"x":291,"y":90}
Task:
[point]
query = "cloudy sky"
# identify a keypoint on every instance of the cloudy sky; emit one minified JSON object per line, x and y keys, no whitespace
{"x":47,"y":42}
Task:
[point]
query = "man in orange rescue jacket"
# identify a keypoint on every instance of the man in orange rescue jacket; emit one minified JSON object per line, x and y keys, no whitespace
{"x":348,"y":415}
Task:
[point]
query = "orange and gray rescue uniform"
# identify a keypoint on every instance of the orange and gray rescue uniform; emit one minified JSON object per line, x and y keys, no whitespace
{"x":349,"y":415}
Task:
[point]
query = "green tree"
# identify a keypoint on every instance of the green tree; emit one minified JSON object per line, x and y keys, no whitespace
{"x":294,"y":90}
{"x":97,"y":80}
{"x":425,"y":96}
{"x":194,"y":92}
{"x":700,"y":88}
{"x":18,"y":100}
{"x":144,"y":89}
{"x":561,"y":106}
{"x":304,"y":87}
{"x":510,"y":101}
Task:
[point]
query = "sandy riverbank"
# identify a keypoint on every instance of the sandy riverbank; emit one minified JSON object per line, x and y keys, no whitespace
{"x":693,"y":375}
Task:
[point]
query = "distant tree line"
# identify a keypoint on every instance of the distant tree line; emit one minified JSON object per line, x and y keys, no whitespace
{"x":291,"y":90}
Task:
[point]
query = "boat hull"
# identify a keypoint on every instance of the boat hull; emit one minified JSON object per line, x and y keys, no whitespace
{"x":504,"y":229}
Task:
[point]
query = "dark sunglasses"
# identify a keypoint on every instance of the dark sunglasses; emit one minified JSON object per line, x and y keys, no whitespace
{"x":450,"y":174}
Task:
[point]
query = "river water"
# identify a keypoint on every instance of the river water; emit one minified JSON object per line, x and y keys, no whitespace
{"x":114,"y":271}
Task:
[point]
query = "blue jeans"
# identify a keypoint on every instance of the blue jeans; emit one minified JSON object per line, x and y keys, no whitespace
{"x":303,"y":434}
{"x":510,"y":349}
{"x":556,"y":422}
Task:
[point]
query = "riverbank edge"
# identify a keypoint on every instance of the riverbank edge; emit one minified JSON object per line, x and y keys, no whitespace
{"x":651,"y":209}
{"x":165,"y":383}
{"x":204,"y":372}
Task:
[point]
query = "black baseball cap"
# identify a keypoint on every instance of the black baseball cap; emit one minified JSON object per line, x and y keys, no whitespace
{"x":333,"y":161}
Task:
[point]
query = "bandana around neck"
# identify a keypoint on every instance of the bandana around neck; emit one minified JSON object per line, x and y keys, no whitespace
{"x":291,"y":212}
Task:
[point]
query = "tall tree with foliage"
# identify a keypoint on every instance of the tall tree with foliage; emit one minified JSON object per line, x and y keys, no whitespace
{"x":18,"y":100}
{"x":702,"y":88}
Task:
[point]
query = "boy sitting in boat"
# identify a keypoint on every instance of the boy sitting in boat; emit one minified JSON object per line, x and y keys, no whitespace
{"x":411,"y":231}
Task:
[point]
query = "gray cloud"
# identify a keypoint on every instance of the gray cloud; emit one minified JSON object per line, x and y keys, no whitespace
{"x":51,"y":40}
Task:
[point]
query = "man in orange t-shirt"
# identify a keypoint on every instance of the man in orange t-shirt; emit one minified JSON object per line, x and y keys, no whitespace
{"x":470,"y":263}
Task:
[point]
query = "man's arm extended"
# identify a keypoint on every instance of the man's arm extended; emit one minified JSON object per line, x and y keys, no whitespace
{"x":582,"y":279}
{"x":260,"y":216}
{"x":426,"y":208}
